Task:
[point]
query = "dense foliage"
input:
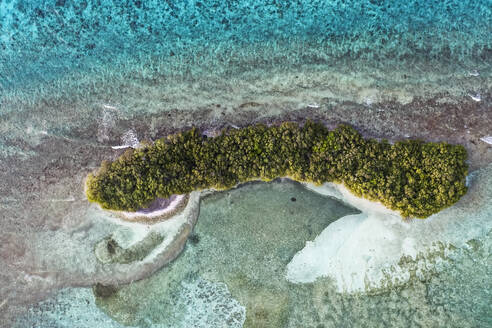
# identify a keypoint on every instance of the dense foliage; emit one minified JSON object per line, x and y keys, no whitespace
{"x":413,"y":177}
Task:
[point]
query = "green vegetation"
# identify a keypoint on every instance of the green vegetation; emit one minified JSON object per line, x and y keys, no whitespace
{"x":413,"y":177}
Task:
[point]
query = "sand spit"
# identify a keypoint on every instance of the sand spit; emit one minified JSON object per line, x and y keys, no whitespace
{"x":161,"y":209}
{"x":171,"y":220}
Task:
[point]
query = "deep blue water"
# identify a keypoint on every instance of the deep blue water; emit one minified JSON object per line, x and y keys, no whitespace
{"x":43,"y":40}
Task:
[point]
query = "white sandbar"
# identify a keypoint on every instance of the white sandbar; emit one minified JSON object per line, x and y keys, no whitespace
{"x":362,"y":252}
{"x":159,"y":211}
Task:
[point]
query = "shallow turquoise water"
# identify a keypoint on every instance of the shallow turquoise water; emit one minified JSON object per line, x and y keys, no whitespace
{"x":72,"y":71}
{"x":232,"y":274}
{"x":44,"y":41}
{"x":243,"y":241}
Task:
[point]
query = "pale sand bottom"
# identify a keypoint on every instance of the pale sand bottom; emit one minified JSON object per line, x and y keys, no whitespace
{"x":228,"y":217}
{"x":377,"y":249}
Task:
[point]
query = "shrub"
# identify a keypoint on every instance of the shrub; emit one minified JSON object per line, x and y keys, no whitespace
{"x":413,"y":177}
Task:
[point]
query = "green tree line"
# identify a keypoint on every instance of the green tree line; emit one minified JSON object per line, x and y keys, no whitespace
{"x":413,"y":177}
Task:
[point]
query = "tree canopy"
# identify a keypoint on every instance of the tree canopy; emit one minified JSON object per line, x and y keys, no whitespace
{"x":413,"y":177}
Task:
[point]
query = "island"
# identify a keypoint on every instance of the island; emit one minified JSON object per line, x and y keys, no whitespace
{"x":413,"y":177}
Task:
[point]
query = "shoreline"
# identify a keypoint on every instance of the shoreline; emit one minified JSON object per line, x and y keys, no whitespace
{"x":157,"y":214}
